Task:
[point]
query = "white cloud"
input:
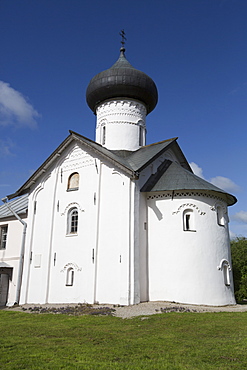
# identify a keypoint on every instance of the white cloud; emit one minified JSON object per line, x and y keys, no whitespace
{"x":15,"y":109}
{"x":224,"y":183}
{"x":221,"y":182}
{"x":240,"y":216}
{"x":5,"y":148}
{"x":232,"y":234}
{"x":196,"y":169}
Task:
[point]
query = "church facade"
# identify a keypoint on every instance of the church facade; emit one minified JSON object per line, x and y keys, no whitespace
{"x":116,"y":220}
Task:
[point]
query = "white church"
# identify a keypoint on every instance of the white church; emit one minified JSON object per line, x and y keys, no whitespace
{"x":115,"y":220}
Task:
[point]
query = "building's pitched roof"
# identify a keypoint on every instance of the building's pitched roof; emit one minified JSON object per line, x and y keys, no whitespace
{"x":130,"y":162}
{"x":142,"y":157}
{"x":19,"y":205}
{"x":171,"y":176}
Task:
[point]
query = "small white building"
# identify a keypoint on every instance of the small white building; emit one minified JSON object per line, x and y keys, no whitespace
{"x":12,"y":232}
{"x":118,"y":221}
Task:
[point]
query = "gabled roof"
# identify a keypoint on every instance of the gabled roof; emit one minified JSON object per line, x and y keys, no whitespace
{"x":20,"y":206}
{"x":130,"y":162}
{"x":57,"y":153}
{"x":142,"y":157}
{"x":171,"y":176}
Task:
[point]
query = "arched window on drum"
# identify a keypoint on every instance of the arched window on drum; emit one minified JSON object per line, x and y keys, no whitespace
{"x":220,"y":216}
{"x":103,"y":135}
{"x":225,"y":267}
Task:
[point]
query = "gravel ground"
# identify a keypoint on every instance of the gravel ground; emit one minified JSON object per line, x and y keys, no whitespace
{"x":150,"y":308}
{"x":142,"y":309}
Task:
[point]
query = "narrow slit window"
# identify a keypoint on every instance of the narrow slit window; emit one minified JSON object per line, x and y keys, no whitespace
{"x":73,"y":181}
{"x":140,"y":136}
{"x":220,"y":216}
{"x":103,"y":135}
{"x":226,"y":273}
{"x":70,"y":277}
{"x":188,"y":220}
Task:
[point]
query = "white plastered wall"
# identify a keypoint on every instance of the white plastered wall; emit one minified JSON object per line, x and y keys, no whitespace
{"x":114,"y":239}
{"x":143,"y":222}
{"x":184,"y":265}
{"x":120,"y":123}
{"x":11,"y":255}
{"x":100,"y":252}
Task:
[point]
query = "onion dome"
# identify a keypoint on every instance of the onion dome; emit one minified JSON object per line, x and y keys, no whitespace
{"x":122,"y":80}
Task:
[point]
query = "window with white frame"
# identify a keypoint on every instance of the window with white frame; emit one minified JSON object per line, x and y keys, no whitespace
{"x":70,"y":277}
{"x":73,"y":181}
{"x":3,"y":236}
{"x":72,"y":221}
{"x":188,"y":220}
{"x":220,"y":216}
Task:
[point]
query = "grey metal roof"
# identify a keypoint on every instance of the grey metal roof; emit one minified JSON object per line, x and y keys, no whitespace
{"x":122,"y":80}
{"x":86,"y":142}
{"x":142,"y":157}
{"x":20,"y":206}
{"x":130,"y":162}
{"x":171,"y":176}
{"x":136,"y":161}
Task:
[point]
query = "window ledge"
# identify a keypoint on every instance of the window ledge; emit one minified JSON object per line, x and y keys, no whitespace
{"x":72,"y":189}
{"x":72,"y":234}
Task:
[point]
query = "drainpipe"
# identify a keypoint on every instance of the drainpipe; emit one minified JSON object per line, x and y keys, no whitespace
{"x":19,"y":280}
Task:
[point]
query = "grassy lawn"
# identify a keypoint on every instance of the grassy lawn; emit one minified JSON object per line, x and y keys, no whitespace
{"x":164,"y":341}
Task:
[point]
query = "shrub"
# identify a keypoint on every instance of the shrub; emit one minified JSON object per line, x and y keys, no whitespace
{"x":239,"y":266}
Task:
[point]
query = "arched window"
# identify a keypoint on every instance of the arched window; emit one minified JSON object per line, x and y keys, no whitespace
{"x":73,"y":181}
{"x":140,"y":136}
{"x":225,"y":268}
{"x":103,"y":135}
{"x":226,"y":273}
{"x":70,"y":277}
{"x":72,"y":225}
{"x":220,"y":216}
{"x":188,"y":220}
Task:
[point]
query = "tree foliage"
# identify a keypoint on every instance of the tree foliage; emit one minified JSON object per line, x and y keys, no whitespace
{"x":239,"y":266}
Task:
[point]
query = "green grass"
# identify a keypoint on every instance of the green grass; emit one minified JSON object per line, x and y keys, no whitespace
{"x":164,"y":341}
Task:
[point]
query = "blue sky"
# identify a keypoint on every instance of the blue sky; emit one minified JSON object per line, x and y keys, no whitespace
{"x":195,"y":51}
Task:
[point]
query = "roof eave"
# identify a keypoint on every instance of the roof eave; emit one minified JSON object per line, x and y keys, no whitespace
{"x":25,"y":188}
{"x":229,"y":198}
{"x":127,"y":170}
{"x":157,"y":154}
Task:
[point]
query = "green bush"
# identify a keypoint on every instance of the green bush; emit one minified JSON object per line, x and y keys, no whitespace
{"x":239,"y":266}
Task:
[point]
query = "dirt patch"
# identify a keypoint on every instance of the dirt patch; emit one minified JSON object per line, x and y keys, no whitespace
{"x":141,"y":309}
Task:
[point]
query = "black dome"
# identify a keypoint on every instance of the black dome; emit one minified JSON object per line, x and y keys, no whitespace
{"x":122,"y":81}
